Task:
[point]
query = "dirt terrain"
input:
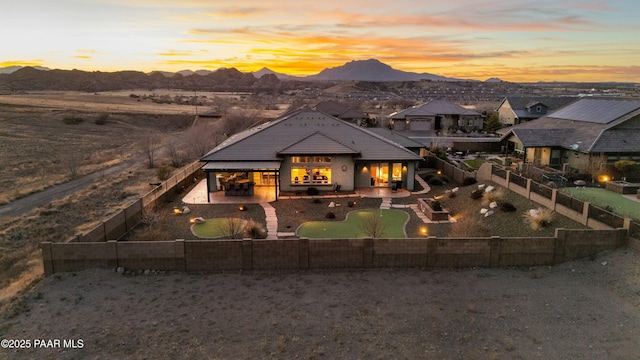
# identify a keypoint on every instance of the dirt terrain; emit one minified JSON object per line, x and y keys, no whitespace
{"x":586,"y":309}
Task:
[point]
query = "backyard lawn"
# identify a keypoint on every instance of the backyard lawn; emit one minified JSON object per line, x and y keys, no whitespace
{"x":607,"y":199}
{"x":216,"y":228}
{"x":357,"y":225}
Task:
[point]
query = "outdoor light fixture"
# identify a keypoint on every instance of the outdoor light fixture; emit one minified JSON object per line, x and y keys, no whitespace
{"x":242,"y":208}
{"x":177,"y":211}
{"x":192,"y":221}
{"x":424,"y":231}
{"x":439,"y":172}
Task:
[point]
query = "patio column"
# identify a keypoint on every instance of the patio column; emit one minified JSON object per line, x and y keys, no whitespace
{"x":208,"y":186}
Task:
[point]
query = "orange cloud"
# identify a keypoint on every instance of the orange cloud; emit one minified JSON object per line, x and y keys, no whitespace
{"x":22,"y":63}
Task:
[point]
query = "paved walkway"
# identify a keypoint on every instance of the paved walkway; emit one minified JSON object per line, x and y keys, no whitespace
{"x":272,"y":220}
{"x":425,"y":187}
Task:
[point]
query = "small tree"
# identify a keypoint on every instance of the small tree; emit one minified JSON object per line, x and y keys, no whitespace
{"x":596,"y":165}
{"x":149,"y":147}
{"x":492,"y":122}
{"x":176,"y":156}
{"x":625,"y":166}
{"x":373,"y":225}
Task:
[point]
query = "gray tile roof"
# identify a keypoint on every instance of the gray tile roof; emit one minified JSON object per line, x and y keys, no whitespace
{"x":317,"y":143}
{"x":267,"y":141}
{"x":615,"y":135}
{"x":552,"y":103}
{"x":432,"y":108}
{"x":596,"y":110}
{"x":396,"y":137}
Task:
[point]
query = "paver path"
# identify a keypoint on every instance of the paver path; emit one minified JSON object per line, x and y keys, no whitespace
{"x":425,"y":187}
{"x":272,"y":220}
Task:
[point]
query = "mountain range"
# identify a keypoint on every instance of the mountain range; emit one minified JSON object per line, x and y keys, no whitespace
{"x":357,"y":70}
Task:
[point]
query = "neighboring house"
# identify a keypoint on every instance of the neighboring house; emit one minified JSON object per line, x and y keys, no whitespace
{"x":341,"y":111}
{"x":572,"y":134}
{"x":306,"y":148}
{"x":436,"y":116}
{"x":515,"y":110}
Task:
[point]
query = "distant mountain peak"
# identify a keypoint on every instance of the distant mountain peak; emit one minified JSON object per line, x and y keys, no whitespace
{"x":372,"y":70}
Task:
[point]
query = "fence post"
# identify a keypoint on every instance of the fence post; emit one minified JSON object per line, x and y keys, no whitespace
{"x":494,"y":251}
{"x":432,"y":252}
{"x":247,"y":255}
{"x":558,"y":252}
{"x":623,"y":237}
{"x":303,"y":253}
{"x":112,"y":251}
{"x":181,"y":264}
{"x":585,"y":213}
{"x":528,"y":188}
{"x":554,"y":198}
{"x":367,"y":252}
{"x":47,"y":258}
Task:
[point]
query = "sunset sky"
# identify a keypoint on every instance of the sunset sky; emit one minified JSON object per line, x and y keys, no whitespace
{"x":515,"y":40}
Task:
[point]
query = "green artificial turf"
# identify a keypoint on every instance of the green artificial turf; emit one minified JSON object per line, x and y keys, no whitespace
{"x":474,"y":163}
{"x":212,"y":228}
{"x":605,"y":198}
{"x":393,"y":222}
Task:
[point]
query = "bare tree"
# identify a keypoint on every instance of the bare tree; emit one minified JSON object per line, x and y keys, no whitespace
{"x":373,"y":225}
{"x":596,"y":166}
{"x":71,"y":161}
{"x":201,"y":138}
{"x":176,"y":156}
{"x":149,"y":147}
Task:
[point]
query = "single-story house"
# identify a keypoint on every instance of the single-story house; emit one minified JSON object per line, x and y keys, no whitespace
{"x":436,"y":116}
{"x":306,"y":148}
{"x":514,"y":110}
{"x":572,"y":134}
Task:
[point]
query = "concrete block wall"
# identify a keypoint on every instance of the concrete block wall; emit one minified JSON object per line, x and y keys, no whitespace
{"x":293,"y":254}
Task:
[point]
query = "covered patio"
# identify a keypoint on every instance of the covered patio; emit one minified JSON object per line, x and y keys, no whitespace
{"x":199,"y":195}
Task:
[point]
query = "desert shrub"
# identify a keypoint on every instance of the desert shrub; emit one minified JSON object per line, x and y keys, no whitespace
{"x":254,"y":230}
{"x":312,"y":191}
{"x":330,"y":215}
{"x":539,"y":219}
{"x":316,"y":201}
{"x":101,"y":119}
{"x":436,"y":181}
{"x":469,"y":226}
{"x":164,"y":172}
{"x":468,"y":181}
{"x":477,"y":194}
{"x":492,"y":196}
{"x":506,"y":206}
{"x":232,"y":228}
{"x":351,"y":203}
{"x":72,"y":120}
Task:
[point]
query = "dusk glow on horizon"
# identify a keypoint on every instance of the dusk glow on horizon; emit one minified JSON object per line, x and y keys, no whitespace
{"x":518,"y":40}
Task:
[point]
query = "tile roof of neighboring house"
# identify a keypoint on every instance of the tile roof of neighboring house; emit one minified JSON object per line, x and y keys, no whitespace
{"x":432,"y":108}
{"x":523,"y":102}
{"x":596,"y":110}
{"x":587,"y":125}
{"x":294,"y":129}
{"x":334,"y":108}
